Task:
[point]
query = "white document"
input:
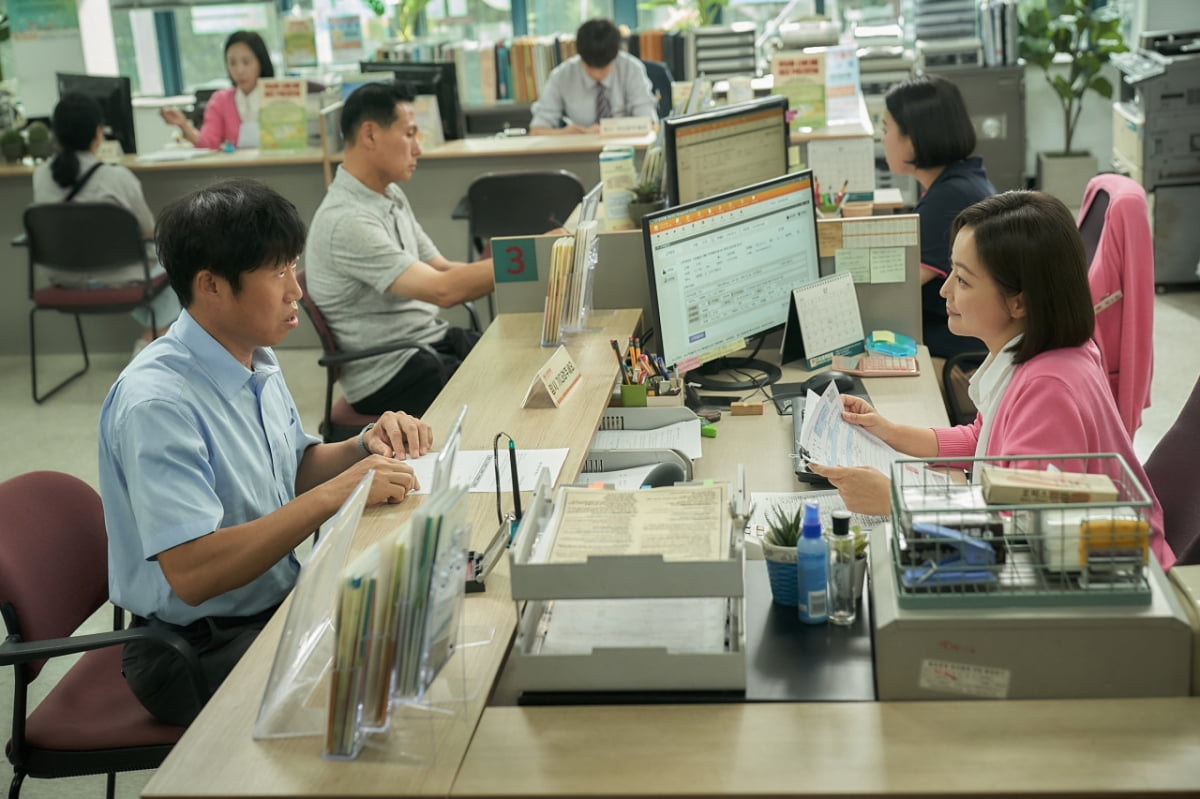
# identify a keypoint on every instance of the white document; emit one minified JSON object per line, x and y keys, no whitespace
{"x":683,"y":436}
{"x":180,"y":154}
{"x":578,"y":626}
{"x":832,"y":441}
{"x":763,"y":506}
{"x":474,"y":469}
{"x":684,"y":523}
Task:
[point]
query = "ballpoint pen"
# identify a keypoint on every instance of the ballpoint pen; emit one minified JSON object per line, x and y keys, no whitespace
{"x":516,"y":482}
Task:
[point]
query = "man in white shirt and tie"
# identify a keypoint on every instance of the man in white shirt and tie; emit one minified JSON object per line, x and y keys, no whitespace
{"x":601,"y":81}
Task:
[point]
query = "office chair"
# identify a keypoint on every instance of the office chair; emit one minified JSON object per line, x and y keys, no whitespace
{"x":1171,"y":468}
{"x":200,"y":104}
{"x":1114,"y":223}
{"x":53,"y":576}
{"x":660,"y":78}
{"x":101,"y":236}
{"x":517,"y":204}
{"x":340,"y":421}
{"x":956,"y":375}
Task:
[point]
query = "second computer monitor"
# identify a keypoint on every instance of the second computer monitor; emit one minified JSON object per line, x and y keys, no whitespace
{"x":722,"y":269}
{"x":116,"y":102}
{"x":726,"y":148}
{"x":438,"y":78}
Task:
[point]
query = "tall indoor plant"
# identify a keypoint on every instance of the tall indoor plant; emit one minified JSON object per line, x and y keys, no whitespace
{"x":1070,"y":34}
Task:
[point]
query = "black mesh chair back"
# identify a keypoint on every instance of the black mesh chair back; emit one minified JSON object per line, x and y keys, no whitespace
{"x":519,"y":203}
{"x":660,"y":78}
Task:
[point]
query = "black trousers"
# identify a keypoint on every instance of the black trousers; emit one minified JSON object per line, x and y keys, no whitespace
{"x":414,"y":388}
{"x":159,"y":678}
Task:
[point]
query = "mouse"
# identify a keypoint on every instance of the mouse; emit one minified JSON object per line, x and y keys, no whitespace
{"x":844,"y":382}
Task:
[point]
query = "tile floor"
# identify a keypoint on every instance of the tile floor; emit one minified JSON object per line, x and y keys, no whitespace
{"x":61,"y":435}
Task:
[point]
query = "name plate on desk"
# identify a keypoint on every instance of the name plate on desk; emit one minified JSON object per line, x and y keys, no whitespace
{"x":556,"y":378}
{"x":625,"y":126}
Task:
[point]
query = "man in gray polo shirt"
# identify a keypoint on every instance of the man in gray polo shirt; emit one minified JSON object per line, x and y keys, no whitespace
{"x":373,"y":271}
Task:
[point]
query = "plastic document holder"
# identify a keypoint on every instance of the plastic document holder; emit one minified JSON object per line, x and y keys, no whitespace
{"x":599,"y":461}
{"x":558,"y":648}
{"x":643,"y":418}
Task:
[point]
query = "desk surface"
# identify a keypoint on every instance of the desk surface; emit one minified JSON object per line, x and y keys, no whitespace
{"x":1065,"y":748}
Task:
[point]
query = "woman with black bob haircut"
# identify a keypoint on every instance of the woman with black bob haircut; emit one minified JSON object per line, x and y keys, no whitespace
{"x":231,"y":114}
{"x":1018,"y":283}
{"x":928,"y":134}
{"x":75,"y":174}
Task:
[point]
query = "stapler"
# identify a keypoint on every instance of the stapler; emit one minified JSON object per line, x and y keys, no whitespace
{"x":960,"y":560}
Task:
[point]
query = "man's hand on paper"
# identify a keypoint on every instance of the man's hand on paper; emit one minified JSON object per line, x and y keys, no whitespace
{"x":864,"y":489}
{"x":858,"y":411}
{"x":398,"y":435}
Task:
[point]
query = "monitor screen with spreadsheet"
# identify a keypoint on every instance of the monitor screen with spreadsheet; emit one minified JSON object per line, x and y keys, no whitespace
{"x":726,"y":148}
{"x":722,"y":269}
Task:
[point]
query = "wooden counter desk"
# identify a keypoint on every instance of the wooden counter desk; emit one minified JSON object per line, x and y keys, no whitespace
{"x":218,"y":755}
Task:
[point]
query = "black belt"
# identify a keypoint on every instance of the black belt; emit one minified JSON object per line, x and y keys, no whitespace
{"x":209,"y":622}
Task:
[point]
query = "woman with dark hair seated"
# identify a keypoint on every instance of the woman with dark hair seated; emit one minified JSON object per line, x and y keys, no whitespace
{"x":75,"y":174}
{"x":1018,"y":283}
{"x":927,"y":134}
{"x":231,"y":114}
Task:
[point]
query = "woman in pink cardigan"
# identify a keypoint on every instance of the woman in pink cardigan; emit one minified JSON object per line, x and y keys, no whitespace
{"x":246,"y":60}
{"x":1018,"y":282}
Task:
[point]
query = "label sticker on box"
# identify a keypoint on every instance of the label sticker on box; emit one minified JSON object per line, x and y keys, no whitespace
{"x":967,"y":679}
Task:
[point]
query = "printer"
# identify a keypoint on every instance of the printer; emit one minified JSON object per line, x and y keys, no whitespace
{"x":1155,"y":141}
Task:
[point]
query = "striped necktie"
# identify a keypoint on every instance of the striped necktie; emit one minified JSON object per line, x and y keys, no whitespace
{"x":603,"y":107}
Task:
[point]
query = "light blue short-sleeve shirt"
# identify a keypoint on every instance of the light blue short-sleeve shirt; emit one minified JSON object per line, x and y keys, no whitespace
{"x":191,"y":441}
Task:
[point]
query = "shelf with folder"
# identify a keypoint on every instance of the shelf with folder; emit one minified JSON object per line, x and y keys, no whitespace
{"x":621,"y":611}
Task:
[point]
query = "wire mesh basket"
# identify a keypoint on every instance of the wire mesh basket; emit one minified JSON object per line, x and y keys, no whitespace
{"x":1062,"y":530}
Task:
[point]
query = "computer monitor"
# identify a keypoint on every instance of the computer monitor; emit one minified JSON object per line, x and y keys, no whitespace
{"x":438,"y":78}
{"x":722,"y":271}
{"x":115,"y":98}
{"x":726,"y":148}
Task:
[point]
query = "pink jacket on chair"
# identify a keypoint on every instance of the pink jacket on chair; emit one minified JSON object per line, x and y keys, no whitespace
{"x":221,"y":120}
{"x":1124,"y":262}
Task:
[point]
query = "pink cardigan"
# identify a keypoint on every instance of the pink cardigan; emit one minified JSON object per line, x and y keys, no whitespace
{"x":221,"y":120}
{"x":1124,"y":261}
{"x":1058,"y":402}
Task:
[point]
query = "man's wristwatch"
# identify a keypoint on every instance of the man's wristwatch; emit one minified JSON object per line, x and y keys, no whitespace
{"x":362,"y":444}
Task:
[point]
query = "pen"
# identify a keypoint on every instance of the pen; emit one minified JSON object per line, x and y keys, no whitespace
{"x":842,"y":193}
{"x":616,"y":348}
{"x":512,"y":462}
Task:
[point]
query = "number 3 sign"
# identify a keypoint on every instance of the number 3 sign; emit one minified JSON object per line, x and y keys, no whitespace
{"x":514,"y":261}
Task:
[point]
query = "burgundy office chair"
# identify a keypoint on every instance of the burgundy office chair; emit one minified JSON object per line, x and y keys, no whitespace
{"x":1171,"y":468}
{"x":84,"y":237}
{"x":53,"y":576}
{"x":340,"y":421}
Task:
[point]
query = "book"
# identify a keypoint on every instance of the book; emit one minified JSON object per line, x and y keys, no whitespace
{"x":1004,"y":486}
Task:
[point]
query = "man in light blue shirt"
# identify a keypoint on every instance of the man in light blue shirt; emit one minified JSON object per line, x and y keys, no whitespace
{"x":601,"y":81}
{"x":207,"y":477}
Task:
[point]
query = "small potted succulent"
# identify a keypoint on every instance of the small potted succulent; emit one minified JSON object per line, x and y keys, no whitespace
{"x":12,"y":145}
{"x":41,"y":146}
{"x":779,"y":553}
{"x":647,"y":198}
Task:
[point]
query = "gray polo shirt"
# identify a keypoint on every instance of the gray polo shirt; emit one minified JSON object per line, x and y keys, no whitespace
{"x":359,"y":242}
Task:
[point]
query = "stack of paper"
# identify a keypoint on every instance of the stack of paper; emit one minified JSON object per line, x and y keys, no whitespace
{"x":562,"y":260}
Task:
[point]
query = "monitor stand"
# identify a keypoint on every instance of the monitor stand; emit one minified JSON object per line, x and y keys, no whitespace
{"x":710,"y":378}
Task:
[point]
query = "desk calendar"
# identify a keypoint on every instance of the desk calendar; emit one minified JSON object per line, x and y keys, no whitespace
{"x":823,"y":321}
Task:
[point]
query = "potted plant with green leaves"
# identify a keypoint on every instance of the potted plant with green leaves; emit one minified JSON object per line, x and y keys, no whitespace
{"x":1073,"y":36}
{"x":647,"y":198}
{"x":779,"y":552}
{"x":12,"y":145}
{"x":41,"y":146}
{"x":687,"y":13}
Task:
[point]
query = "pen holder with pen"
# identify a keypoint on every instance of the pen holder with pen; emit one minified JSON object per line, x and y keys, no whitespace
{"x":829,"y":210}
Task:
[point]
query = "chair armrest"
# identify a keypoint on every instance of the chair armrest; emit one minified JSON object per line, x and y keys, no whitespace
{"x":14,"y":651}
{"x":21,"y":240}
{"x":338,"y":358}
